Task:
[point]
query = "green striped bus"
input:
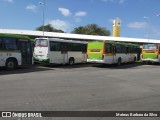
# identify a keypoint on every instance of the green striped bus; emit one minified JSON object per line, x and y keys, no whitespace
{"x":15,"y":50}
{"x":110,"y":52}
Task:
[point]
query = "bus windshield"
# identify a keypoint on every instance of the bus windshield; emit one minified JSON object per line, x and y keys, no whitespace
{"x":150,"y":46}
{"x":41,"y":43}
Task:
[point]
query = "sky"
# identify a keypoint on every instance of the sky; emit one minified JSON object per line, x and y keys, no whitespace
{"x":139,"y":18}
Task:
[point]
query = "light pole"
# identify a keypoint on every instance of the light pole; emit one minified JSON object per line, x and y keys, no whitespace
{"x":43,"y":12}
{"x":145,"y":17}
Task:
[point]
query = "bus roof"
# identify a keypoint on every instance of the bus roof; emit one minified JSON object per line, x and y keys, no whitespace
{"x":63,"y":40}
{"x":14,"y":36}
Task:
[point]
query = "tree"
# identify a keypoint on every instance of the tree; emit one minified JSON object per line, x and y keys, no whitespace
{"x":49,"y":28}
{"x":91,"y":29}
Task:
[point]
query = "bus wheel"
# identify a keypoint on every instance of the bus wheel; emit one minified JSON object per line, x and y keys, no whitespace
{"x":71,"y":61}
{"x":11,"y":64}
{"x":119,"y":62}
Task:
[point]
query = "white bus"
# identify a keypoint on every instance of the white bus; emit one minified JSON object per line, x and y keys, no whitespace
{"x":59,"y":51}
{"x":15,"y":50}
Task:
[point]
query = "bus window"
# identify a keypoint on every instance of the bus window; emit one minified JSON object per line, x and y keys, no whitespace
{"x":63,"y":47}
{"x":41,"y":43}
{"x":123,"y":49}
{"x":118,"y":49}
{"x":1,"y":44}
{"x":127,"y":49}
{"x":108,"y":48}
{"x":55,"y":46}
{"x":84,"y":48}
{"x":150,"y":46}
{"x":74,"y":47}
{"x":10,"y":43}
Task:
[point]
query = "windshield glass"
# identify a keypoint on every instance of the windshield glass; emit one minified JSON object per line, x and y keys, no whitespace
{"x":150,"y":46}
{"x":41,"y":43}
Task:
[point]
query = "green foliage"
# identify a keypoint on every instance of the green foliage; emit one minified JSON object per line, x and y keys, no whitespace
{"x":92,"y":29}
{"x":49,"y":28}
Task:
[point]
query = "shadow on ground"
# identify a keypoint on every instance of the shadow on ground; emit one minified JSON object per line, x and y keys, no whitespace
{"x":122,"y":66}
{"x":21,"y":70}
{"x":113,"y":66}
{"x":81,"y":65}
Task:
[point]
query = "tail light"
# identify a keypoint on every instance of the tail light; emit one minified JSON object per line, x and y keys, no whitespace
{"x":102,"y":57}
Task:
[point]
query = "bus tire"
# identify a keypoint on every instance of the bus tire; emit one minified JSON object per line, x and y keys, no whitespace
{"x":119,"y":62}
{"x":71,"y":61}
{"x":11,"y":64}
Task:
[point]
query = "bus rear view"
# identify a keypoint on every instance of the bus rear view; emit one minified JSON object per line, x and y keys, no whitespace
{"x":150,"y":53}
{"x":41,"y":50}
{"x":95,"y":52}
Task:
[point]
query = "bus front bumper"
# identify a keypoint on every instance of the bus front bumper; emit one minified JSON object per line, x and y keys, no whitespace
{"x":41,"y":60}
{"x":94,"y":61}
{"x":150,"y":60}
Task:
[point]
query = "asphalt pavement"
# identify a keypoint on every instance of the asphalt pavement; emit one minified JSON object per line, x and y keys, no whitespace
{"x":82,"y":87}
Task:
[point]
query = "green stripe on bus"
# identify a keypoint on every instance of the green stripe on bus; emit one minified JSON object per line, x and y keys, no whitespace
{"x":152,"y":56}
{"x":14,"y":36}
{"x":97,"y":56}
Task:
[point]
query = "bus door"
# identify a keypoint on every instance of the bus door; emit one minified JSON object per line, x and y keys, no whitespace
{"x":64,"y":52}
{"x":84,"y":52}
{"x":26,"y":51}
{"x":127,"y":54}
{"x":114,"y":53}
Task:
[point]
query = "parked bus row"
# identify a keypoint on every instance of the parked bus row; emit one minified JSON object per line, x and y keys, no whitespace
{"x":17,"y":50}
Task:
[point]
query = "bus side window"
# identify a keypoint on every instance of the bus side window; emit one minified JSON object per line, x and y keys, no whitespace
{"x":127,"y":49}
{"x":54,"y":46}
{"x":64,"y":48}
{"x":118,"y":49}
{"x":123,"y":49}
{"x":114,"y":49}
{"x":1,"y":44}
{"x":10,"y":43}
{"x":108,"y":48}
{"x":84,"y":48}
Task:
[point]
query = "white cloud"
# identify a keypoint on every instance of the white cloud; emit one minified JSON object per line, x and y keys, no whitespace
{"x":121,"y":1}
{"x":31,"y":7}
{"x":138,"y":25}
{"x":60,"y":24}
{"x":64,"y":11}
{"x":106,"y":0}
{"x":80,"y":13}
{"x":10,"y":1}
{"x":117,"y":1}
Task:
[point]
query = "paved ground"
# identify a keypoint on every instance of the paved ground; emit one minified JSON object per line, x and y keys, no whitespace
{"x":85,"y":87}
